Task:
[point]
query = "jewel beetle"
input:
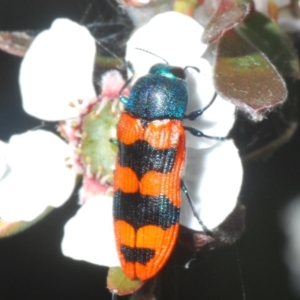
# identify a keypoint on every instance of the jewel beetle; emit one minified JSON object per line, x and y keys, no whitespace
{"x":150,"y":160}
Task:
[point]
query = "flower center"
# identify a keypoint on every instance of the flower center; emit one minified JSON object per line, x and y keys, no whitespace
{"x":97,"y":151}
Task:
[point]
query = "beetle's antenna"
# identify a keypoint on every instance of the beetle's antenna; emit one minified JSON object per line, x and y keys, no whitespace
{"x":153,"y":54}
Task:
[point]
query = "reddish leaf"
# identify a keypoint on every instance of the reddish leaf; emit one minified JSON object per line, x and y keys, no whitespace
{"x":15,"y":42}
{"x":228,"y":14}
{"x":244,"y":76}
{"x":10,"y":228}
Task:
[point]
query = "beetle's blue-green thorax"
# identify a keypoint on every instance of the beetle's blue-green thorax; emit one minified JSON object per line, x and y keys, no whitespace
{"x":161,"y":94}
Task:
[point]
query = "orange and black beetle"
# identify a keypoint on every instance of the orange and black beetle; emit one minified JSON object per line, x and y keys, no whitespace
{"x":147,"y":180}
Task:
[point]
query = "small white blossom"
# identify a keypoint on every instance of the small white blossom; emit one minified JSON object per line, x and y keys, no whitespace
{"x":36,"y":175}
{"x":89,"y":235}
{"x":213,"y":172}
{"x":58,"y":70}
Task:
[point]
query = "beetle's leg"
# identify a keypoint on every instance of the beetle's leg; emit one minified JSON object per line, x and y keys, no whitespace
{"x":195,"y":114}
{"x":199,"y":133}
{"x":185,"y":190}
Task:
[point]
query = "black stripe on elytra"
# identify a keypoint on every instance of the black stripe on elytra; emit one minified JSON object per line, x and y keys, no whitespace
{"x":141,"y":255}
{"x":141,"y":157}
{"x":140,"y":210}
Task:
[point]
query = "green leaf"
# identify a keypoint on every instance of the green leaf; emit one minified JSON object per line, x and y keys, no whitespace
{"x":272,"y":41}
{"x":244,"y":76}
{"x":229,"y":14}
{"x":118,"y":283}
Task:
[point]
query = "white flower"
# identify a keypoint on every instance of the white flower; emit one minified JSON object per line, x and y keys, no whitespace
{"x":36,"y":175}
{"x":56,"y":70}
{"x":89,"y":235}
{"x":213,"y":170}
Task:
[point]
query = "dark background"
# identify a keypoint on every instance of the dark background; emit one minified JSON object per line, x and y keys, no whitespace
{"x":31,"y":263}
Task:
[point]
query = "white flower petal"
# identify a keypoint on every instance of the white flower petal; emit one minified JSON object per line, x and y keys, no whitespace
{"x":38,"y":176}
{"x":172,"y":36}
{"x":56,"y":70}
{"x":213,"y":177}
{"x":89,"y":235}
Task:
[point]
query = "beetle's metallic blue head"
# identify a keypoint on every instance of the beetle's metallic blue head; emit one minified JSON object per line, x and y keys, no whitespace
{"x":161,"y":94}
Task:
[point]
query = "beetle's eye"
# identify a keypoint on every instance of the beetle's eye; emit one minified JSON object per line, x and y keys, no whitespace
{"x":178,"y":72}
